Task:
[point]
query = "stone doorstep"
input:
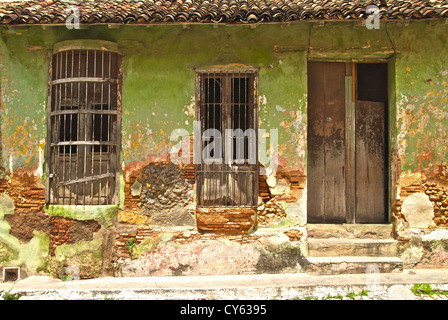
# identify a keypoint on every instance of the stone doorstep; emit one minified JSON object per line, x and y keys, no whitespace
{"x":351,"y":247}
{"x":353,"y":264}
{"x":352,"y":231}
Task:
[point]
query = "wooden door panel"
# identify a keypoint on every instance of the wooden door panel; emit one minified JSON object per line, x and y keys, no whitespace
{"x":328,"y":196}
{"x":370,"y":162}
{"x":316,"y":145}
{"x":334,"y":134}
{"x":326,"y":142}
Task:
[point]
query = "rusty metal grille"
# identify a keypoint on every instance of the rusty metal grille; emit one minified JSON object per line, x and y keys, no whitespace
{"x":83,"y":128}
{"x":228,"y":173}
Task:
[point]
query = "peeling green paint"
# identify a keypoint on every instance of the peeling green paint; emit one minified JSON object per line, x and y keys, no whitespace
{"x":159,"y":82}
{"x":421,"y":92}
{"x":158,"y":91}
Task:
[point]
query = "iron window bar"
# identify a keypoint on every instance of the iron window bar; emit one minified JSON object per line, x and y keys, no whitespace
{"x":84,"y":127}
{"x":81,"y":79}
{"x":227,"y":101}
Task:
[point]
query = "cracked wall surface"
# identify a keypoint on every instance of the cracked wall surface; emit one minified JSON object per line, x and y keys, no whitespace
{"x":158,"y":96}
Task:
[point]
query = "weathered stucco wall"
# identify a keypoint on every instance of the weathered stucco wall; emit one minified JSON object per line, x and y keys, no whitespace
{"x":158,"y":90}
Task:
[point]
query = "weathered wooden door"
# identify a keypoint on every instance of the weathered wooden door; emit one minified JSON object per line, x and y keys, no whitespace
{"x":326,"y":142}
{"x":346,"y":147}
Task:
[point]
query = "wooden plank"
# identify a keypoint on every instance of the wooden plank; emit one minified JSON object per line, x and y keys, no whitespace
{"x":350,"y":150}
{"x":361,"y":154}
{"x":370,"y":162}
{"x":315,"y":142}
{"x":334,"y":135}
{"x":326,"y":142}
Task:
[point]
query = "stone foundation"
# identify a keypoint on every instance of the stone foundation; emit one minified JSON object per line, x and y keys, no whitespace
{"x":187,"y":252}
{"x":159,"y":230}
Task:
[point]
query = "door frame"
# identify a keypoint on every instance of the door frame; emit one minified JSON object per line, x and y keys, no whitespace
{"x":234,"y":169}
{"x":350,"y":100}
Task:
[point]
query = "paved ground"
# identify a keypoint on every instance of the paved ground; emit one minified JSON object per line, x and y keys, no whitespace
{"x":387,"y":286}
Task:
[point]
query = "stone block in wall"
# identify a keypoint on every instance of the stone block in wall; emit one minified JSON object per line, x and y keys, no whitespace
{"x":172,"y":218}
{"x":418,"y":210}
{"x":437,"y":190}
{"x":136,"y":189}
{"x":282,"y":187}
{"x":412,"y":252}
{"x":163,"y":188}
{"x":425,"y":249}
{"x":297,"y":211}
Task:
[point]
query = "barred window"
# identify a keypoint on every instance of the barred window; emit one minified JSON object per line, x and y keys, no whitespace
{"x":84,"y":128}
{"x":227,"y":110}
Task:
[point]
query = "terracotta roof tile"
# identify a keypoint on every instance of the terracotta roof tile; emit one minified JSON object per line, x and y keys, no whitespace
{"x":212,"y":11}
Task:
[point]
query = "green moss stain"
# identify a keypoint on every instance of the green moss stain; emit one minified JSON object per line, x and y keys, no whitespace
{"x":9,"y":245}
{"x":280,"y":259}
{"x":146,"y":245}
{"x":105,"y":215}
{"x":86,"y":256}
{"x":6,"y":254}
{"x":6,"y":205}
{"x":34,"y":255}
{"x":69,"y":251}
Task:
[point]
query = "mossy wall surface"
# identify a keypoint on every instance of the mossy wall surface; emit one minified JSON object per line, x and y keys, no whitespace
{"x":159,"y":83}
{"x":158,"y":96}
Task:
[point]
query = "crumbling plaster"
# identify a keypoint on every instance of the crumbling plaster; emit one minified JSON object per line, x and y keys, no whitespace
{"x":158,"y":83}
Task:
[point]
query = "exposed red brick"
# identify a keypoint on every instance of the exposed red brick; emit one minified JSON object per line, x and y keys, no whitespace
{"x":69,"y":231}
{"x":59,"y":232}
{"x":131,"y":202}
{"x":26,"y":190}
{"x":225,"y":220}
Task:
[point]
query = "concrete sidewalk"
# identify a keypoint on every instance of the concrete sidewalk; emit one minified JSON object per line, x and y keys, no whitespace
{"x":235,"y":287}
